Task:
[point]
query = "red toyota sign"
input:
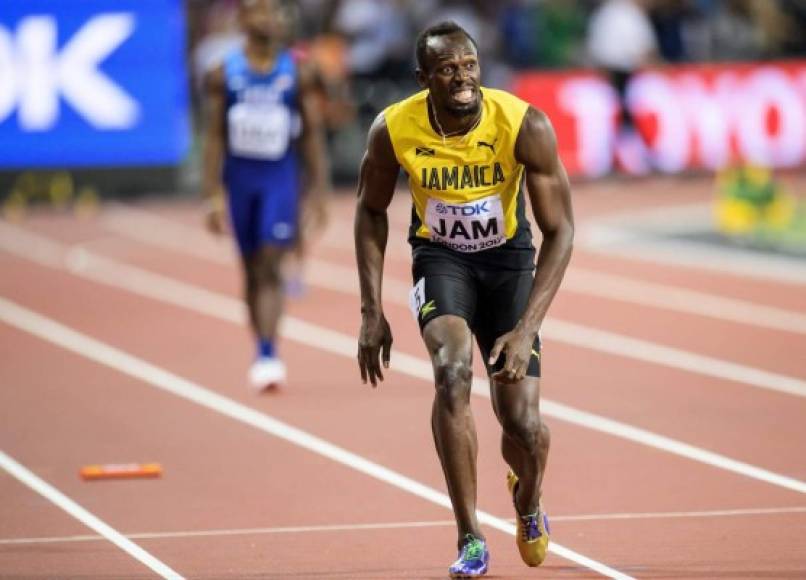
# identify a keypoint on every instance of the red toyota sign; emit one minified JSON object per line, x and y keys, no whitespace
{"x":700,"y":116}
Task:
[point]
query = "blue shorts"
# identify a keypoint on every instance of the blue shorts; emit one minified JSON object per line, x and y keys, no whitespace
{"x":263,"y":203}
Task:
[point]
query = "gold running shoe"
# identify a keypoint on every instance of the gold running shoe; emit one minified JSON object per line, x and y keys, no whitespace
{"x":532,"y":534}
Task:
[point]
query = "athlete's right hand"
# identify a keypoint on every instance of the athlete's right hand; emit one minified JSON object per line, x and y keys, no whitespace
{"x":375,"y":339}
{"x":216,"y":215}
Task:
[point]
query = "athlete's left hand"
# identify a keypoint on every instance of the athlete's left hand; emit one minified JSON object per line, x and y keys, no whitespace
{"x":517,"y":344}
{"x":314,"y":215}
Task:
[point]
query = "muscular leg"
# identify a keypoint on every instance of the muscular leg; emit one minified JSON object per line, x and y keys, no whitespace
{"x":264,"y":290}
{"x":525,"y":440}
{"x":449,"y":343}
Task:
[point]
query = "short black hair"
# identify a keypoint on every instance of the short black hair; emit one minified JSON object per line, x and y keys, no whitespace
{"x":441,"y":29}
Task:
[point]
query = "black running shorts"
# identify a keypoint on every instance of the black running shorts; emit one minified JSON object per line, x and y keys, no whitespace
{"x":491,"y":301}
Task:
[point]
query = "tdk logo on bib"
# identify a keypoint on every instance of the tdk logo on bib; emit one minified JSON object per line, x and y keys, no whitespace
{"x":92,"y":83}
{"x":467,"y":227}
{"x":479,"y":208}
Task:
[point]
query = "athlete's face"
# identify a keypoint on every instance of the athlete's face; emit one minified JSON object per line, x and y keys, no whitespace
{"x":453,"y":75}
{"x":261,"y":19}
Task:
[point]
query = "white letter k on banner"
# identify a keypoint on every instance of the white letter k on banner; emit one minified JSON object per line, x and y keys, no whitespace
{"x":44,"y":74}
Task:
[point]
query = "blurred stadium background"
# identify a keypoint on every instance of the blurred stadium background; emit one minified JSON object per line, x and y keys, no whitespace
{"x":676,"y":391}
{"x":102,"y":99}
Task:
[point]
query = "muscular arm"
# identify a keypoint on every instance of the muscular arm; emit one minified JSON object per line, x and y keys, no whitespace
{"x":214,"y":133}
{"x":312,"y":142}
{"x":379,"y":170}
{"x":550,"y":197}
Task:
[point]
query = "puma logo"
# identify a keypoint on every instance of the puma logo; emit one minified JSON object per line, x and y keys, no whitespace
{"x":491,"y":146}
{"x":427,"y":308}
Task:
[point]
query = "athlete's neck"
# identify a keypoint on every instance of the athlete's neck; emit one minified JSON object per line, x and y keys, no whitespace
{"x":261,"y":54}
{"x":447,"y":125}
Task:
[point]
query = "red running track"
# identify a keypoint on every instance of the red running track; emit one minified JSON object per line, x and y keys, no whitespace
{"x":237,"y":501}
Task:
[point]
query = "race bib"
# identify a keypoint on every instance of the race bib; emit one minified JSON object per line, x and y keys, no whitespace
{"x":466,"y":227}
{"x":259,"y":131}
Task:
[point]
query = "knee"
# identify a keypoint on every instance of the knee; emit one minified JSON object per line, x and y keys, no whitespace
{"x":527,"y":430}
{"x":544,"y":439}
{"x":265,"y":271}
{"x":453,"y":381}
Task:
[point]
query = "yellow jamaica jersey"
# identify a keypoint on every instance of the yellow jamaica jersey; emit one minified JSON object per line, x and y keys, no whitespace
{"x":466,"y":189}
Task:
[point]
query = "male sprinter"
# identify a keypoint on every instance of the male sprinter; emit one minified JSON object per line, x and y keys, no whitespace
{"x":261,"y":118}
{"x":466,"y":150}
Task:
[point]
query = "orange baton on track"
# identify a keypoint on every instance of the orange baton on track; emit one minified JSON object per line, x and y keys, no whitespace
{"x":120,"y":471}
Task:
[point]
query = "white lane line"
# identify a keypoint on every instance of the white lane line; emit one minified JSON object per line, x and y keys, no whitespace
{"x":676,"y":299}
{"x":330,"y":276}
{"x":613,"y":287}
{"x":402,"y":525}
{"x":633,"y":235}
{"x":342,"y":279}
{"x":155,"y":230}
{"x":152,"y":229}
{"x":123,"y":362}
{"x":693,"y":255}
{"x":667,"y":356}
{"x":242,"y":532}
{"x":678,"y":515}
{"x":673,"y":446}
{"x":57,"y":498}
{"x":168,"y":290}
{"x":336,"y":278}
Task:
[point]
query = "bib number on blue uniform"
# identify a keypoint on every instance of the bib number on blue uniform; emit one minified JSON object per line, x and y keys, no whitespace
{"x":466,"y":227}
{"x":259,"y":131}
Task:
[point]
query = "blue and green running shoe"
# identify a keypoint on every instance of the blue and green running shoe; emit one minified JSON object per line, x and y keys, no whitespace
{"x":474,"y":558}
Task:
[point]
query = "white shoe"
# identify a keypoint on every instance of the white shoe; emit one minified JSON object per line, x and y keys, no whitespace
{"x":266,"y":373}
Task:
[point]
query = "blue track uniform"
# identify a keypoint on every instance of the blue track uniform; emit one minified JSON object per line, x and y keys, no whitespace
{"x":261,"y":165}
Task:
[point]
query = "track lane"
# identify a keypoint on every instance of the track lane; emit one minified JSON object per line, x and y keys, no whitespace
{"x":761,"y":419}
{"x":208,"y":480}
{"x":558,"y":548}
{"x":584,"y":574}
{"x":218,"y":305}
{"x":492,"y":480}
{"x":237,"y":302}
{"x":218,"y":274}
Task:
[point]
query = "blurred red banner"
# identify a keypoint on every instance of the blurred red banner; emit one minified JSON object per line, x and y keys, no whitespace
{"x":690,"y":117}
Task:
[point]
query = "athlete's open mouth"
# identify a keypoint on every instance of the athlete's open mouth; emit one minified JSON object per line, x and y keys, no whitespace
{"x":464,"y":95}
